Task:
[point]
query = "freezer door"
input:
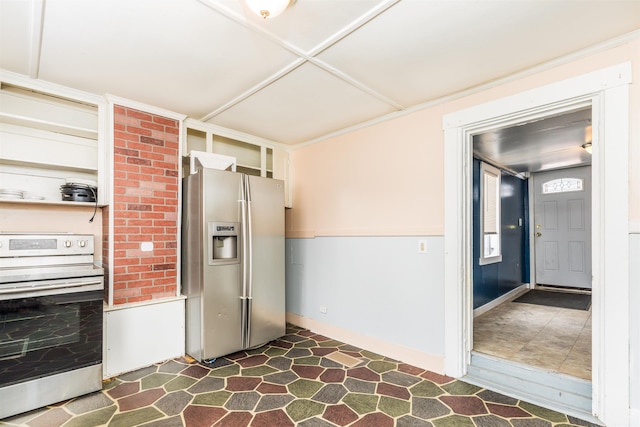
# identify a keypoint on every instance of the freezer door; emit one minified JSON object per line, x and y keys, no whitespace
{"x":266,"y":284}
{"x":192,"y":250}
{"x":221,"y":284}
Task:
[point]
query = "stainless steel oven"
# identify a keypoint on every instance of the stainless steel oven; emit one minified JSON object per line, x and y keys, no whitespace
{"x":50,"y":320}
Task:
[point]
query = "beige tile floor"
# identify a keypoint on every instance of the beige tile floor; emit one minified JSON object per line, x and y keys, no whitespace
{"x":552,"y":338}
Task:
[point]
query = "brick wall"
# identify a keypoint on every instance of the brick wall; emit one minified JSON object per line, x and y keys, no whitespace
{"x":145,"y":206}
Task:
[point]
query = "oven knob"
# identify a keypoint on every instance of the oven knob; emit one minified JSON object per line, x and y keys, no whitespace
{"x":67,"y":243}
{"x":82,"y":243}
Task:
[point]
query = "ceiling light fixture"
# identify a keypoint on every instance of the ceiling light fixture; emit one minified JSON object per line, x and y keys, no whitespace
{"x":267,"y":8}
{"x":587,"y":139}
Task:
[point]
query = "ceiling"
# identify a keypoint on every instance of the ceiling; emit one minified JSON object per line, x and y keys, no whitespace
{"x":551,"y":143}
{"x":321,"y":67}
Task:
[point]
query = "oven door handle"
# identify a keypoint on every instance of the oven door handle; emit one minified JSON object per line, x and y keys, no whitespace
{"x":52,"y":289}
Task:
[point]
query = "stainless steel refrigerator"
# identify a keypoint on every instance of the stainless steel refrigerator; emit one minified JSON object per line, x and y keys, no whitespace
{"x":232,"y":262}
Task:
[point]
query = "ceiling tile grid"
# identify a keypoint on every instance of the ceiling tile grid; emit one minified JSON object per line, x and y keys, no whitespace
{"x":321,"y":67}
{"x":304,"y":103}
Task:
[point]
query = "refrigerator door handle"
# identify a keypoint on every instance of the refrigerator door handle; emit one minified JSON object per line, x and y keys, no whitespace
{"x":244,"y":338}
{"x":249,"y":302}
{"x":243,"y":239}
{"x":244,"y":264}
{"x":249,"y":261}
{"x":249,"y":239}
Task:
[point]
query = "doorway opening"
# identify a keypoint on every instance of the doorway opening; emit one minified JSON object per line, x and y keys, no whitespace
{"x":529,"y":298}
{"x":606,"y":92}
{"x":532,"y":299}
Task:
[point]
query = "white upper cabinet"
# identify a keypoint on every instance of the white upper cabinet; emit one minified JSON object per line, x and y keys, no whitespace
{"x":253,"y":155}
{"x":47,"y":140}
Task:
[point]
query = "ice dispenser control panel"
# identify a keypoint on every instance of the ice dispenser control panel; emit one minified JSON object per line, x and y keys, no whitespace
{"x":223,"y":242}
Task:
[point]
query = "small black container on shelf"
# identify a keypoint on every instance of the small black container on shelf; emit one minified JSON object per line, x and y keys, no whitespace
{"x":72,"y":192}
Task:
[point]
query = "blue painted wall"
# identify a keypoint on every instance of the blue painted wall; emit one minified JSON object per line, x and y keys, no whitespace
{"x":494,"y":280}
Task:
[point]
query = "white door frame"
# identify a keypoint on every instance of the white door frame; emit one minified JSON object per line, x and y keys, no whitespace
{"x":607,"y":92}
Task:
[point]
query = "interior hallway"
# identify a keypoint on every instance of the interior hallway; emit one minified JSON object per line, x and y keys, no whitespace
{"x":552,"y":338}
{"x":303,"y":379}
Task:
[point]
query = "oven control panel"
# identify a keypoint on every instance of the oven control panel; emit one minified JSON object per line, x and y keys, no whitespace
{"x":21,"y":245}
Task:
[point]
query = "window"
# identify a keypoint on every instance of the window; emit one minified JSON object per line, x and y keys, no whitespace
{"x":490,"y":242}
{"x":562,"y":185}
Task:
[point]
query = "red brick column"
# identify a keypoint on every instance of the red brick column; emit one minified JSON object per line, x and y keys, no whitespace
{"x":145,"y":206}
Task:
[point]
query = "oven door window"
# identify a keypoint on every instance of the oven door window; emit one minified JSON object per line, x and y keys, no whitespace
{"x":47,"y":335}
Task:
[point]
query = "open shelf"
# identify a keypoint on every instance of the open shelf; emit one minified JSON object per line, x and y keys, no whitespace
{"x":49,"y":202}
{"x":47,"y":140}
{"x":34,"y":123}
{"x":50,"y":166}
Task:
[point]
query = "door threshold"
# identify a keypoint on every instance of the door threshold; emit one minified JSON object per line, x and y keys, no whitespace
{"x":552,"y":390}
{"x":552,"y":288}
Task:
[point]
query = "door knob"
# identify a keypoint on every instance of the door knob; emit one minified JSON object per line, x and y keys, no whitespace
{"x":538,"y":234}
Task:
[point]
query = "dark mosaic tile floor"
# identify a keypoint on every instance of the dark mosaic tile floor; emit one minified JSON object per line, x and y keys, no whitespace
{"x":292,"y":382}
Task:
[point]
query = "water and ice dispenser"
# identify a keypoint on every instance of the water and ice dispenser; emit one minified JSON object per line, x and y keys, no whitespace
{"x":223,"y":242}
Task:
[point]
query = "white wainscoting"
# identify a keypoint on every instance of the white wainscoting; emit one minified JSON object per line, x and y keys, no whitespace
{"x":380,"y":288}
{"x":139,"y":335}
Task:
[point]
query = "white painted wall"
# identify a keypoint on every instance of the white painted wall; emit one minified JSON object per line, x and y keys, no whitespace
{"x":140,"y":335}
{"x":379,"y":288}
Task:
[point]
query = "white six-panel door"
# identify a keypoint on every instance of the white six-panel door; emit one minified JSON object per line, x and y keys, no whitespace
{"x":562,"y":227}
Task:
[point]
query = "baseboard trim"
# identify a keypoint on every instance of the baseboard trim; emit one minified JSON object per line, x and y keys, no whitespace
{"x":420,"y":359}
{"x":509,"y":296}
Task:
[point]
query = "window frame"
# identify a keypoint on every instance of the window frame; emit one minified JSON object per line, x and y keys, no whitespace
{"x":489,"y":170}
